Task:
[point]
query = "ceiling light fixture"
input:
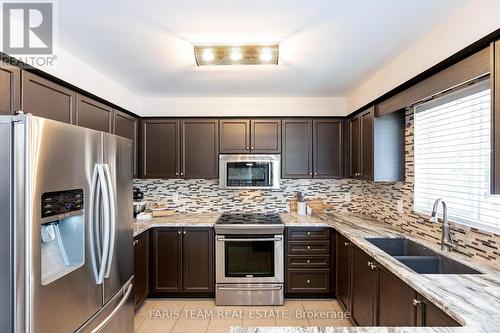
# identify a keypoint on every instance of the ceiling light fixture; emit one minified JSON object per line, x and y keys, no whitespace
{"x":208,"y":55}
{"x":236,"y":54}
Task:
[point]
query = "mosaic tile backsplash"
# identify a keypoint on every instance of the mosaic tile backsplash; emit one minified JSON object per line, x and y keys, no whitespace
{"x":378,"y":200}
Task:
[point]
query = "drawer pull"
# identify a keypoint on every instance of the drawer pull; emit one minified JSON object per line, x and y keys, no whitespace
{"x":416,"y":302}
{"x":136,"y":242}
{"x":347,"y":244}
{"x":308,"y":247}
{"x":308,"y":261}
{"x":308,"y":233}
{"x":308,"y":281}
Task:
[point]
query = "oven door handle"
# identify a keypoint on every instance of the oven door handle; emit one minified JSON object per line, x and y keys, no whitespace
{"x":250,"y":288}
{"x":275,"y":239}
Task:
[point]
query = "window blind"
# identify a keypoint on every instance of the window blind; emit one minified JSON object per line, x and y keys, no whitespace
{"x":452,"y":156}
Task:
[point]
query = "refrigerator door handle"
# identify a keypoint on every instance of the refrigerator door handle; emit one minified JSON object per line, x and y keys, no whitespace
{"x":93,"y":216}
{"x":124,"y":299}
{"x":106,"y":224}
{"x":112,"y":219}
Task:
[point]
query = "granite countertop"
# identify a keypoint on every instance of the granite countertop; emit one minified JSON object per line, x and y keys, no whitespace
{"x":472,"y":300}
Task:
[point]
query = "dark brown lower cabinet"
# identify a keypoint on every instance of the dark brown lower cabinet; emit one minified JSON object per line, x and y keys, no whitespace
{"x":141,"y":268}
{"x":395,"y":301}
{"x":167,"y":260}
{"x":183,"y":261}
{"x":343,"y":271}
{"x":198,"y":260}
{"x":430,"y":315}
{"x":364,"y":289}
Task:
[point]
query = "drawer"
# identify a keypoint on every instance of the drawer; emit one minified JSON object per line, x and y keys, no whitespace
{"x":312,"y":261}
{"x":315,"y":233}
{"x":309,"y":247}
{"x":315,"y":281}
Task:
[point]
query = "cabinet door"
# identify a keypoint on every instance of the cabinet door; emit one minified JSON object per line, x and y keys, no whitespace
{"x":141,"y":268}
{"x":200,"y":148}
{"x":265,"y":136}
{"x":495,"y":98}
{"x":327,"y":146}
{"x":296,"y":158}
{"x":47,"y":99}
{"x":430,"y":315}
{"x":167,"y":260}
{"x":9,"y":88}
{"x":354,"y":147}
{"x":395,"y":301}
{"x":93,"y":114}
{"x":366,"y":126}
{"x":363,"y":289}
{"x":198,"y":260}
{"x":235,"y":136}
{"x":127,"y":126}
{"x":160,"y":148}
{"x":343,"y":271}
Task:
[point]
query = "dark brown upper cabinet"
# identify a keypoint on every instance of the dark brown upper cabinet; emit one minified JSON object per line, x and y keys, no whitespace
{"x":297,"y":150}
{"x":343,"y":271}
{"x":495,"y":98}
{"x":10,"y":87}
{"x":364,"y":284}
{"x":246,"y":136}
{"x":200,"y":148}
{"x":141,"y":268}
{"x":327,"y":148}
{"x":265,"y":136}
{"x":128,"y":126}
{"x":376,"y":148}
{"x":47,"y":99}
{"x":93,"y":114}
{"x":234,"y":136}
{"x":159,"y":153}
{"x":183,"y":261}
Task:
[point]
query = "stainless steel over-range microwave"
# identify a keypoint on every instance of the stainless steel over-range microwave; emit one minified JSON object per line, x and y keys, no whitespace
{"x":249,"y":171}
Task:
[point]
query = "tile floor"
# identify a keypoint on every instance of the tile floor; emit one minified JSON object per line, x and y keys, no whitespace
{"x":194,"y":315}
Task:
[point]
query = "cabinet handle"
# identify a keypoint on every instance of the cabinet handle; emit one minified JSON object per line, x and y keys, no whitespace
{"x":308,"y":261}
{"x":347,"y":243}
{"x":373,"y":266}
{"x":315,"y":173}
{"x":247,"y":147}
{"x":179,"y":232}
{"x":184,"y":232}
{"x":136,"y":242}
{"x":310,"y":173}
{"x":182,"y":173}
{"x":308,"y":281}
{"x":416,"y":302}
{"x":308,"y":233}
{"x":308,"y":247}
{"x":176,"y":173}
{"x":251,"y":148}
{"x":369,"y":264}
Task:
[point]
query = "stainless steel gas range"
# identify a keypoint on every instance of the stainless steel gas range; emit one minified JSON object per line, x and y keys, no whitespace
{"x":249,"y":263}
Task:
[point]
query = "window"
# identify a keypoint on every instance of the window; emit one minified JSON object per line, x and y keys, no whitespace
{"x":452,"y":156}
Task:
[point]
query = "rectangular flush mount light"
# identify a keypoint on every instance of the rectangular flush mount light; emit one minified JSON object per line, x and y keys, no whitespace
{"x":248,"y":54}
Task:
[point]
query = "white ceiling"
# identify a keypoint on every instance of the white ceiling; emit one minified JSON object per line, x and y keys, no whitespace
{"x":327,"y":47}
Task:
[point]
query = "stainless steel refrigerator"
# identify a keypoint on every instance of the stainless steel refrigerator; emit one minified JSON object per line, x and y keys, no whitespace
{"x":66,"y":252}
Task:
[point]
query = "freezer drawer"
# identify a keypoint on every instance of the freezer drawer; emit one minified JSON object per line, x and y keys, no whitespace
{"x":116,"y":316}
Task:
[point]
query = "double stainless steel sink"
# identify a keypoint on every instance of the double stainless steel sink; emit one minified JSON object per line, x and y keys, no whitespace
{"x":419,"y":258}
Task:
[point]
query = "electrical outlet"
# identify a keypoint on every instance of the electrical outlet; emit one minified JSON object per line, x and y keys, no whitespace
{"x":400,"y":206}
{"x":175,"y":197}
{"x":347,"y":197}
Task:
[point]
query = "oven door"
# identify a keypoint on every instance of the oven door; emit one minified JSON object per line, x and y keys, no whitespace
{"x":249,"y":171}
{"x":249,"y":259}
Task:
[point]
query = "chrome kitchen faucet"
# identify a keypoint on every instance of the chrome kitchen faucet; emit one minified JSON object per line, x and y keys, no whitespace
{"x":446,"y":241}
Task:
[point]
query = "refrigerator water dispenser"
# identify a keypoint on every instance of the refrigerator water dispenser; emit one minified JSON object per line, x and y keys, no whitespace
{"x":62,"y":231}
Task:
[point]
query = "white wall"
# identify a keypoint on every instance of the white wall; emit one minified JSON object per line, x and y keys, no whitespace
{"x":244,"y":106}
{"x":476,"y":19}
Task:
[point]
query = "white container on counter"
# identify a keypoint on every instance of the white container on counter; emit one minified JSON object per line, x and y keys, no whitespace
{"x":301,"y":208}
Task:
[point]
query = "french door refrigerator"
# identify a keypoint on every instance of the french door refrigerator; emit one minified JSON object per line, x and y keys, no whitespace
{"x":66,"y":252}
